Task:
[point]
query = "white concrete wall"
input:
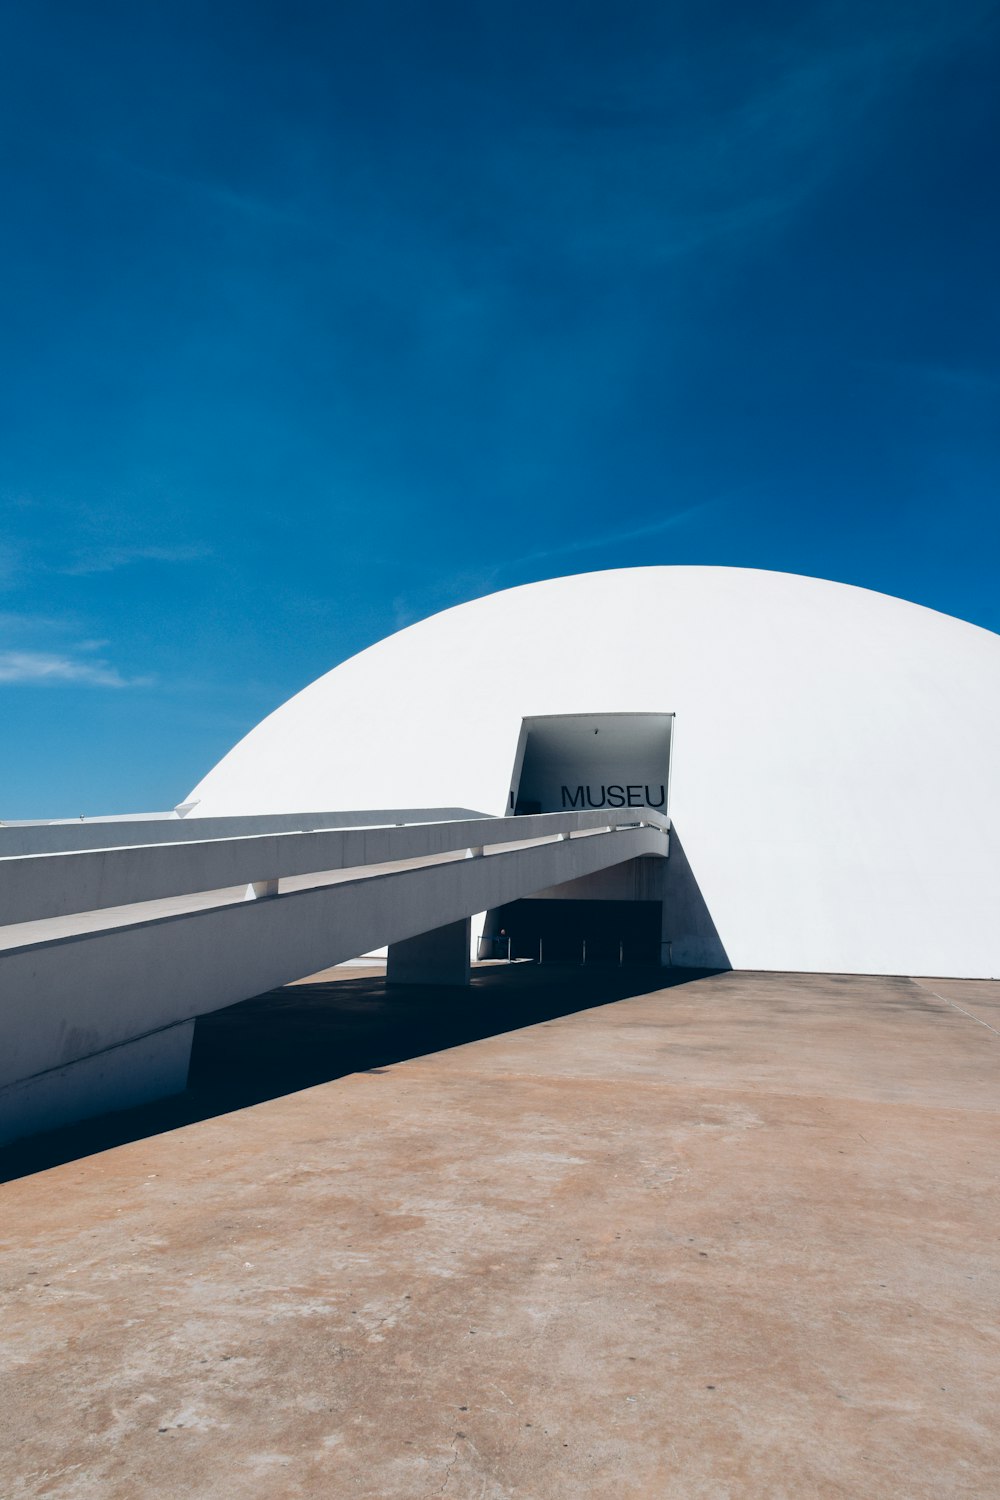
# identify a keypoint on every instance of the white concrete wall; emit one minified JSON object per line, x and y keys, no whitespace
{"x":834,"y":777}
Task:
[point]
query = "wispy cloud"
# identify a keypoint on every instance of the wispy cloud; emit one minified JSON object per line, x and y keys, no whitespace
{"x":443,"y":593}
{"x":965,"y":380}
{"x":408,"y":608}
{"x":55,"y":667}
{"x":75,"y":661}
{"x":675,"y":168}
{"x":262,"y":211}
{"x":10,"y":563}
{"x":108,"y":559}
{"x":631,"y":533}
{"x":18,"y":623}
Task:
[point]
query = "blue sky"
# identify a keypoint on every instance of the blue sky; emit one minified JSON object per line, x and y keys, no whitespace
{"x":318,"y":318}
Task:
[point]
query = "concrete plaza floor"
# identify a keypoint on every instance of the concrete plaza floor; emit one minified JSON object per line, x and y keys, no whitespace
{"x":735,"y":1237}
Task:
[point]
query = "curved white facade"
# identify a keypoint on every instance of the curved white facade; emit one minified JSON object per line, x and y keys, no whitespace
{"x":834,"y":765}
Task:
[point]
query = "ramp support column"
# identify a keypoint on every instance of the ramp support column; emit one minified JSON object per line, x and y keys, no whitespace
{"x":440,"y":956}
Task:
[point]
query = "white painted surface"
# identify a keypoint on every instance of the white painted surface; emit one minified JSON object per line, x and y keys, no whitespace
{"x":834,"y":775}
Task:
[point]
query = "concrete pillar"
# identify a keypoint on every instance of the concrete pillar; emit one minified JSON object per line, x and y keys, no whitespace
{"x":258,"y":889}
{"x":440,"y":956}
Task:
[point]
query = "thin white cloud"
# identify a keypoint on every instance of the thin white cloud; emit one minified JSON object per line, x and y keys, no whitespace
{"x":17,"y":623}
{"x":962,"y":379}
{"x":10,"y":563}
{"x":54,"y":667}
{"x":107,"y":559}
{"x":738,"y":166}
{"x":633,"y":533}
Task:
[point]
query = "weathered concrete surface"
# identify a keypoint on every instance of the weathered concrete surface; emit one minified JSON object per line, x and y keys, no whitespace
{"x":737,"y":1238}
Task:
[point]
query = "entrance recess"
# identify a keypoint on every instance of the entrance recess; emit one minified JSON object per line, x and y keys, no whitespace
{"x":568,"y":762}
{"x":574,"y":931}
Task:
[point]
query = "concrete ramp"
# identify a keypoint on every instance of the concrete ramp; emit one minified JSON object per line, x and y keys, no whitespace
{"x":108,"y":954}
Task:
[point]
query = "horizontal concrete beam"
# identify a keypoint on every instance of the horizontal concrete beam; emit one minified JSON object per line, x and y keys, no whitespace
{"x":40,"y":886}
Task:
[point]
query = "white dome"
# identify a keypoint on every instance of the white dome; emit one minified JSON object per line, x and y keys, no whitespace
{"x":833,"y":778}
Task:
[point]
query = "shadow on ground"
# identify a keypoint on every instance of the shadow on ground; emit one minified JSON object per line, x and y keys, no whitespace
{"x":305,"y":1034}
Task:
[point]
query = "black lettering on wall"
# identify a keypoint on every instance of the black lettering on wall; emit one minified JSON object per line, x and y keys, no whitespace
{"x":613,"y":795}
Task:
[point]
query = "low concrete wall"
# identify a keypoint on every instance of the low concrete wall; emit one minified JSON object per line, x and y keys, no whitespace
{"x":151,"y":1067}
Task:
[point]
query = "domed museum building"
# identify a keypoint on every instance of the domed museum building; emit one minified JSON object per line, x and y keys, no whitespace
{"x":827,"y":757}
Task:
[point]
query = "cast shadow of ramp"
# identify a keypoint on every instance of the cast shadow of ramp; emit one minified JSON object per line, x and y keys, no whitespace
{"x":688,"y":926}
{"x":320,"y":1029}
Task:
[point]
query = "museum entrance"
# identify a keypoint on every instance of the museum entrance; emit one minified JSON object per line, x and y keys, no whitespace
{"x":589,"y":761}
{"x":553,"y":931}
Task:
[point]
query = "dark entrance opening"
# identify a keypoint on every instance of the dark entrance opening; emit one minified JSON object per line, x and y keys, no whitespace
{"x":626,"y":931}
